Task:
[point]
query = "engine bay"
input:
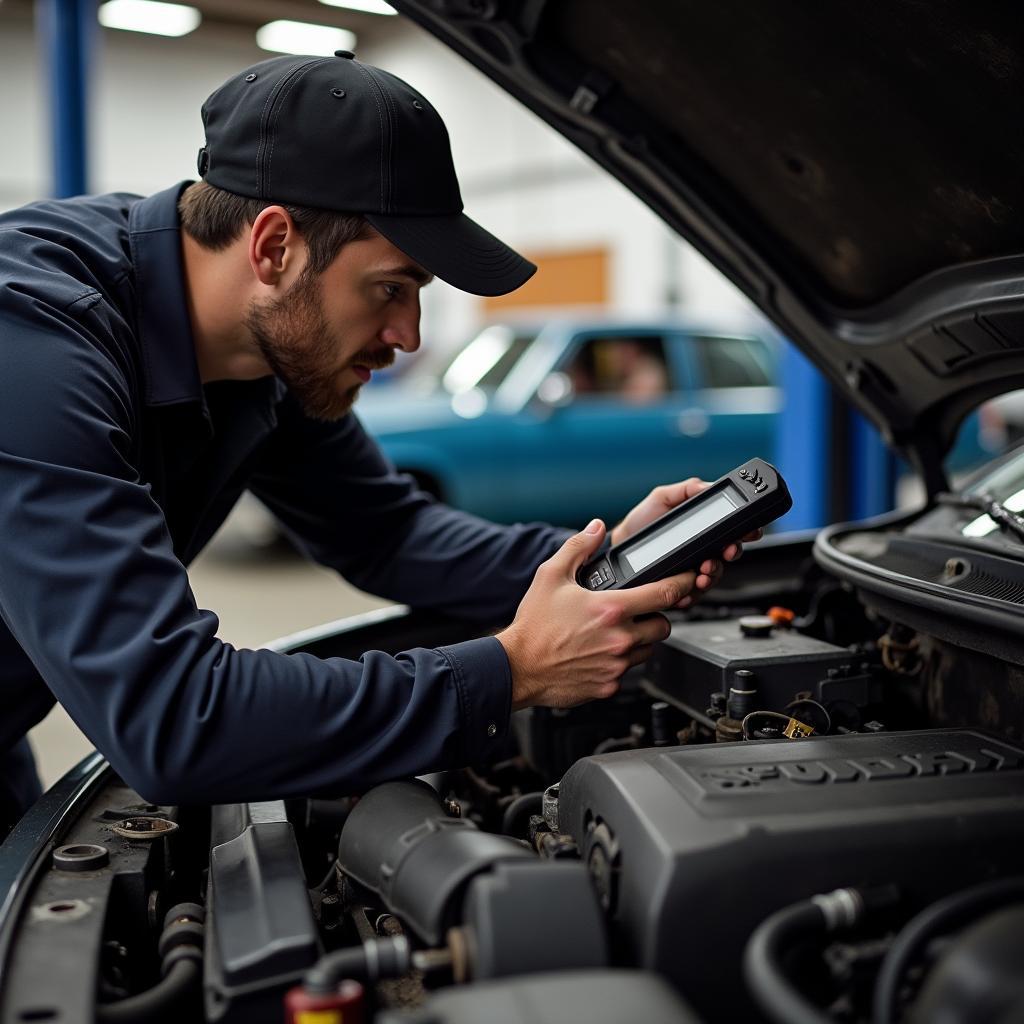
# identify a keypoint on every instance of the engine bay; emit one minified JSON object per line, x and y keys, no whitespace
{"x":806,"y":806}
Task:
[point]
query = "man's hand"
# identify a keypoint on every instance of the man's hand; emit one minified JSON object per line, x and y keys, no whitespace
{"x":664,"y":499}
{"x":568,"y":645}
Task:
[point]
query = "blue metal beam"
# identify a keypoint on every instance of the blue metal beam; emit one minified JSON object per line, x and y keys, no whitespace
{"x":802,"y":441}
{"x":872,"y":482}
{"x":67,"y":29}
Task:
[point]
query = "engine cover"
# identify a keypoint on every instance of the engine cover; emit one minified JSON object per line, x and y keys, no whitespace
{"x":692,"y":847}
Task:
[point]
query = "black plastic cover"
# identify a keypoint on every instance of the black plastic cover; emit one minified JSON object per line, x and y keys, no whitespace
{"x":260,"y":935}
{"x":530,"y":916}
{"x":696,"y":846}
{"x":979,"y":979}
{"x":597,"y":997}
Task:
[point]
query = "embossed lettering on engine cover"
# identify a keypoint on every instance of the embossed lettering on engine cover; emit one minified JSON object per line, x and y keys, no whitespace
{"x":785,"y":774}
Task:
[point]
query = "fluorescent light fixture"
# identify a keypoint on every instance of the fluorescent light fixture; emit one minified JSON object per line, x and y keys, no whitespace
{"x":302,"y":37}
{"x":367,"y":6}
{"x":158,"y":19}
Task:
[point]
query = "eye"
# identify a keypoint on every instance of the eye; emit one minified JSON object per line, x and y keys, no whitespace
{"x":392,"y":291}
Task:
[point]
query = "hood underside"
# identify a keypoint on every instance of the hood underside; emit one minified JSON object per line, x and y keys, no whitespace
{"x":856,"y":168}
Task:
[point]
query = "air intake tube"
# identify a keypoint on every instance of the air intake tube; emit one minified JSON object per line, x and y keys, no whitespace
{"x":399,"y":843}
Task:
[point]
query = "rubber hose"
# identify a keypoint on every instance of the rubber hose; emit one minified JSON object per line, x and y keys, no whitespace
{"x":373,"y":960}
{"x":329,"y":970}
{"x":525,"y":805}
{"x":946,"y":914}
{"x":779,"y":1000}
{"x":155,"y":1003}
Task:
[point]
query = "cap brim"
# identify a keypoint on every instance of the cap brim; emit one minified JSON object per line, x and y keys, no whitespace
{"x":457,"y":250}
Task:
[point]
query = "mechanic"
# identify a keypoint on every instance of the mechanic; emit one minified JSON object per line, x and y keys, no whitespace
{"x":160,"y":356}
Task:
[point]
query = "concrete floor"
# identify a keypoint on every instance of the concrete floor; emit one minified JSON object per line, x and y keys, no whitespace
{"x":258,"y":598}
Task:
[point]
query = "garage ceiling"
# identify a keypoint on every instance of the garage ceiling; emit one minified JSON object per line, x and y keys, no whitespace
{"x":249,"y":15}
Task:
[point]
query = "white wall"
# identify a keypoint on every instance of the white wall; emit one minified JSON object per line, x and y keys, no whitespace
{"x":519,"y":178}
{"x":24,"y":145}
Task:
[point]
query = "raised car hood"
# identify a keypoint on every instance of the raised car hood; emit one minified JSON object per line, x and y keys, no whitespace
{"x":857,"y":169}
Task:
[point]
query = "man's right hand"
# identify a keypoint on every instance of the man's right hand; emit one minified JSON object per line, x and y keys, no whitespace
{"x":568,"y":645}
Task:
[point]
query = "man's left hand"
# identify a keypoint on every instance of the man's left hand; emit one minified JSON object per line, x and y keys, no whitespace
{"x":663,"y":499}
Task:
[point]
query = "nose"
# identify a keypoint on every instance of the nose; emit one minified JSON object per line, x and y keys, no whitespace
{"x":402,"y":330}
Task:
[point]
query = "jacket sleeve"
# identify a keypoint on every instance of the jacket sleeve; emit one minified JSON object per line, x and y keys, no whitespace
{"x":92,"y":591}
{"x":349,"y":509}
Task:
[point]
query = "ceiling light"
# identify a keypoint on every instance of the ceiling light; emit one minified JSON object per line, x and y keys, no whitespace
{"x":302,"y":37}
{"x":368,"y":6}
{"x":159,"y":19}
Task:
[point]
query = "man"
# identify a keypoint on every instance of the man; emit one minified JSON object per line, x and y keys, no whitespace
{"x":161,"y":355}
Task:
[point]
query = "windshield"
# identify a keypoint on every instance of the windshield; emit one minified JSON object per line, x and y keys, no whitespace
{"x":484,"y":362}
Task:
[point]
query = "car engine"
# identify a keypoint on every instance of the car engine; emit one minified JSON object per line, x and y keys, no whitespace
{"x":807,"y":806}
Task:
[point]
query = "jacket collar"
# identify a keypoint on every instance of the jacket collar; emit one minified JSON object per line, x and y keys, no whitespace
{"x":165,"y":333}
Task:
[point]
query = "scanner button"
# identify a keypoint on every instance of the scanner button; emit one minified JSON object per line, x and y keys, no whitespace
{"x":761,"y":487}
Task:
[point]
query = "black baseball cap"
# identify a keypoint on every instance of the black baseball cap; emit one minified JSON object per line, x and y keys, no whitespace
{"x":337,"y":134}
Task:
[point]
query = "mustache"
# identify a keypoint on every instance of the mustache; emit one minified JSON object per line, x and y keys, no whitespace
{"x":380,"y":359}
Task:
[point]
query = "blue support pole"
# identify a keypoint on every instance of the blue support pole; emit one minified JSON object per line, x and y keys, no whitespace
{"x":872,"y":471}
{"x":67,"y":28}
{"x":802,"y":441}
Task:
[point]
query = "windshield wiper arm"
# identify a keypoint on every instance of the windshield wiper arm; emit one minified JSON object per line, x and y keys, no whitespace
{"x":998,"y":513}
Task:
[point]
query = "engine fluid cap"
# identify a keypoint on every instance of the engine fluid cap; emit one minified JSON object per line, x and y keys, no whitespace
{"x":757,"y":625}
{"x":342,"y":1006}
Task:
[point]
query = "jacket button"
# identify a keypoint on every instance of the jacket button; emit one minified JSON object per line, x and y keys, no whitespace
{"x":492,"y":730}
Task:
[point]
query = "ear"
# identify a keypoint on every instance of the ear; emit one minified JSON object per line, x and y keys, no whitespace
{"x":277,"y":252}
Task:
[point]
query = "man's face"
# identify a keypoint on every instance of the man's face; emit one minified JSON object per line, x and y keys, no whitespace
{"x":329,"y":331}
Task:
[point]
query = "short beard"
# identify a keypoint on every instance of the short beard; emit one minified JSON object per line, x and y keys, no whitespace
{"x":294,"y":339}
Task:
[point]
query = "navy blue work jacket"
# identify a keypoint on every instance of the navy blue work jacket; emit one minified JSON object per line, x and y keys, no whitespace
{"x":117,"y":466}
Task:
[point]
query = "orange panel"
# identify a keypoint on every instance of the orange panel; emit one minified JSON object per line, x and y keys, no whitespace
{"x":569,"y":277}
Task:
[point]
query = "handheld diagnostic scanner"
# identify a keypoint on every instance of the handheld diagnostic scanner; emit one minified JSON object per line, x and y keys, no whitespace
{"x":749,"y":497}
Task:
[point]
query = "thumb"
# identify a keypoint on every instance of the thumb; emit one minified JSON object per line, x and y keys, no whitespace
{"x":579,"y":547}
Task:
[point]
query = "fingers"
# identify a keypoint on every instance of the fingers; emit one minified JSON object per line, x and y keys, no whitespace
{"x":651,"y":629}
{"x":640,"y":654}
{"x":656,"y":596}
{"x":576,"y":550}
{"x":733,"y":551}
{"x":670,"y":495}
{"x":710,"y":573}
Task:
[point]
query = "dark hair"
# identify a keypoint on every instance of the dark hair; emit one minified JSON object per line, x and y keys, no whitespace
{"x":215,"y":218}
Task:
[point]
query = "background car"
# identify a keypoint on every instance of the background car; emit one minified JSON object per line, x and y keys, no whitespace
{"x":565,"y":420}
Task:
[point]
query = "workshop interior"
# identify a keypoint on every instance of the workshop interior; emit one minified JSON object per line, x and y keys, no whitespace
{"x":807,"y":806}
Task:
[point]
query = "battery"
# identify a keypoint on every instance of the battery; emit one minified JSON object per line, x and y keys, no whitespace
{"x":701,"y":658}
